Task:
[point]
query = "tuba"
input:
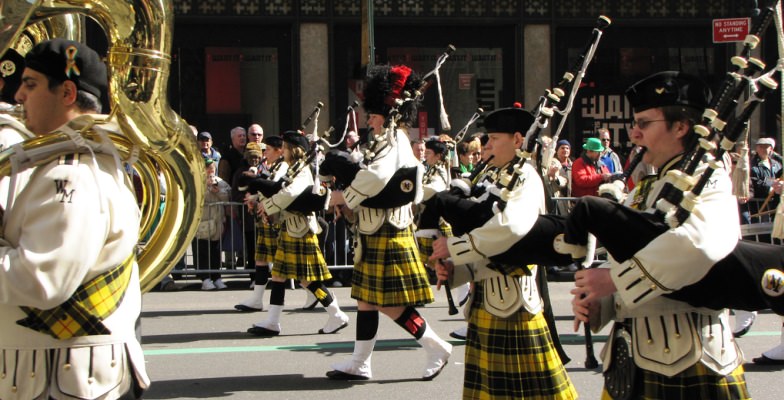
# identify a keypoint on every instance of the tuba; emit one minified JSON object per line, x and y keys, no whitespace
{"x":152,"y":137}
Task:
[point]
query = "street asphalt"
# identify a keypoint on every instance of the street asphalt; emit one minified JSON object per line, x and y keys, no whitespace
{"x":196,"y":347}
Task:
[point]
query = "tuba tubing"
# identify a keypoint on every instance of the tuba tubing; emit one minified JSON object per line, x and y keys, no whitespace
{"x":140,"y":38}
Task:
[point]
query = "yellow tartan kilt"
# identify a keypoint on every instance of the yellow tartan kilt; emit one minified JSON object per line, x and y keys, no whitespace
{"x":299,"y":258}
{"x":425,"y":244}
{"x":266,"y":242}
{"x":696,"y":382}
{"x":390,"y":273}
{"x":512,"y":358}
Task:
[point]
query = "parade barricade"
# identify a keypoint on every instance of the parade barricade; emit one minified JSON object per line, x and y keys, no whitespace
{"x":239,"y":232}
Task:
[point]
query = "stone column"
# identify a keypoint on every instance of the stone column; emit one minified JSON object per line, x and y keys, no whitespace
{"x":536,"y":63}
{"x":314,"y":71}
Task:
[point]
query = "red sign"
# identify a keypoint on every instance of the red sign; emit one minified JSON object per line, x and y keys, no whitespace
{"x":422,"y":117}
{"x":464,"y":81}
{"x":730,"y":29}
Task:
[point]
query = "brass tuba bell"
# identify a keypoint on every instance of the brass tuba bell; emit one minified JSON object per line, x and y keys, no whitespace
{"x":152,"y":137}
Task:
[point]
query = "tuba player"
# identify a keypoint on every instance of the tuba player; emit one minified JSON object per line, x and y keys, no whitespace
{"x":69,"y":242}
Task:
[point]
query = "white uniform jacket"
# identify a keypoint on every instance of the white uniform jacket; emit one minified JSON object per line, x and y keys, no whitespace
{"x":297,"y":225}
{"x":371,"y":180}
{"x":73,"y":220}
{"x":12,"y":132}
{"x":507,"y":227}
{"x":670,"y":336}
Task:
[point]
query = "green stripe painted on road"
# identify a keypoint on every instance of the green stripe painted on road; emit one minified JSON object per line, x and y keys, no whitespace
{"x":567,"y":339}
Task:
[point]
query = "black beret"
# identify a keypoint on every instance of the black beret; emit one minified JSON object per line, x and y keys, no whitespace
{"x":436,"y":146}
{"x":295,"y":138}
{"x":384,"y":84}
{"x":669,"y":88}
{"x":273,"y":141}
{"x":11,"y":67}
{"x":508,"y":120}
{"x":66,"y":60}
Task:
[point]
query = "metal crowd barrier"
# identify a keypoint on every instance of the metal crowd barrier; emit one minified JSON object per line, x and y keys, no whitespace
{"x":239,"y":232}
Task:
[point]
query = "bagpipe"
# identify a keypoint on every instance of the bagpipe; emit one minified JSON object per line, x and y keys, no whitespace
{"x":750,"y":277}
{"x":465,"y":214}
{"x":309,"y":200}
{"x":403,"y":186}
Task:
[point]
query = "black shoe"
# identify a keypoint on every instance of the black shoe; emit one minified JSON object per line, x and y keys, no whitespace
{"x":457,"y":336}
{"x":244,"y":308}
{"x":259,"y":331}
{"x":762,"y":360}
{"x":343,"y":376}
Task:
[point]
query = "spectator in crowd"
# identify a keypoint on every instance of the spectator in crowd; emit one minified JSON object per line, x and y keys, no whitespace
{"x":233,"y":156}
{"x":206,"y":244}
{"x":609,"y":157}
{"x":418,"y":146}
{"x":255,"y":134}
{"x":468,"y":154}
{"x":205,"y":144}
{"x":562,"y":174}
{"x":764,"y":172}
{"x":588,"y":172}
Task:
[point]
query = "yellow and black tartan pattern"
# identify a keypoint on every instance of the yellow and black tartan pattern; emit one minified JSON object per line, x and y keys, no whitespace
{"x":299,"y":258}
{"x":425,"y":244}
{"x":266,"y":242}
{"x":82,"y":313}
{"x":512,"y":358}
{"x":697,"y":382}
{"x":390,"y":273}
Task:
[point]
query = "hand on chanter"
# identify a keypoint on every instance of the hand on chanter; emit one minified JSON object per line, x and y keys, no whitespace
{"x":440,"y":249}
{"x":590,"y":286}
{"x":444,"y":270}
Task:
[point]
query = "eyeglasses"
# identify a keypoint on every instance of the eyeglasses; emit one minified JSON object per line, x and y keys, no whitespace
{"x":642,"y":124}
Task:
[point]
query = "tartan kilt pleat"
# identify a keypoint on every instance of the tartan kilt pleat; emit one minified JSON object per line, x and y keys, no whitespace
{"x":512,"y":358}
{"x":696,"y":382}
{"x":299,"y":258}
{"x":425,"y":244}
{"x":266,"y":242}
{"x":390,"y":272}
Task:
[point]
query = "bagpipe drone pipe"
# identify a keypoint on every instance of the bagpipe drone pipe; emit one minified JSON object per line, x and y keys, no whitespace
{"x":750,"y":277}
{"x":308,"y":200}
{"x":403,"y":186}
{"x":465,"y":214}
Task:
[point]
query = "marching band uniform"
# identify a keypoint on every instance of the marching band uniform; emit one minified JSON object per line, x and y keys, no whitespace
{"x":298,"y":255}
{"x":388,"y":273}
{"x":525,"y":364}
{"x":267,"y":232}
{"x":660,"y":347}
{"x":71,"y":230}
{"x":436,"y":180}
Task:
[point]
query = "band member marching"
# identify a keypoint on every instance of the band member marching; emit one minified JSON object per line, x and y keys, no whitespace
{"x":525,"y":364}
{"x":436,"y":180}
{"x":69,"y":245}
{"x":660,"y":347}
{"x":389,"y":276}
{"x":297,"y":255}
{"x":267,"y":229}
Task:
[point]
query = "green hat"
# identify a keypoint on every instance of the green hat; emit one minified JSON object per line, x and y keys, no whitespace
{"x":593,"y":144}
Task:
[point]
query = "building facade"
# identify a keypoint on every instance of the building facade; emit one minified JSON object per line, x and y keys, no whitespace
{"x":238,"y":62}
